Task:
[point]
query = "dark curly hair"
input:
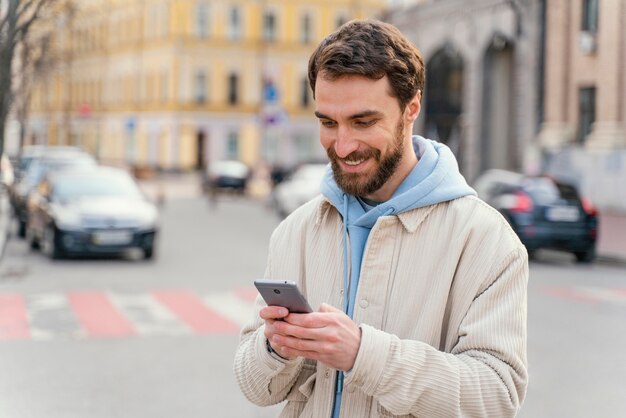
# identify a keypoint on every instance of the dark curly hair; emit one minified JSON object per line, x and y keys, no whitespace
{"x":372,"y":49}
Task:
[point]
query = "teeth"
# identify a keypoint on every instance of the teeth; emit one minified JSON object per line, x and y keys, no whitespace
{"x":356,"y":162}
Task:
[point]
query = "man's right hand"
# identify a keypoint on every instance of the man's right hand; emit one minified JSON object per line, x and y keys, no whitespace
{"x":271,"y":314}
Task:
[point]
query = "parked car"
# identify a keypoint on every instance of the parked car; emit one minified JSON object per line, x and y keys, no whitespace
{"x":97,"y":210}
{"x":31,"y":153}
{"x":300,"y":187}
{"x":52,"y":160}
{"x":228,"y":174}
{"x":544,"y":212}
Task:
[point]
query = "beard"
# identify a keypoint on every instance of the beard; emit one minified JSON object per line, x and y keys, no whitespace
{"x":359,"y":184}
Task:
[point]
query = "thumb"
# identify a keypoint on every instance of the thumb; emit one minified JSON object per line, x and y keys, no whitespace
{"x":325,"y":307}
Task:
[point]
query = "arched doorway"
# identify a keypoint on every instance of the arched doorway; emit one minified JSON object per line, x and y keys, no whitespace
{"x":444,"y":98}
{"x":497,"y":135}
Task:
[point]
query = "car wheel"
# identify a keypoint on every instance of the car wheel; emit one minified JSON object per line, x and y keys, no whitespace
{"x":30,"y":238}
{"x":48,"y":244}
{"x":585,"y":256}
{"x":148,"y":253}
{"x":21,"y":228}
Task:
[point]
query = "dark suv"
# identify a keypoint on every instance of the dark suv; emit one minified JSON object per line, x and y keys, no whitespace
{"x":544,"y":212}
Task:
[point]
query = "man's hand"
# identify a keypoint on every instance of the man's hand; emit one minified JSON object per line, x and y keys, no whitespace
{"x":328,"y":336}
{"x":273,"y":315}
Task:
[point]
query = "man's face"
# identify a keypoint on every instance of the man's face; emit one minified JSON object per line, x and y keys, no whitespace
{"x":363,"y":132}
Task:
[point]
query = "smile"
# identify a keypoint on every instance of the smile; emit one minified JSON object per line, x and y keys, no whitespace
{"x":354,"y":162}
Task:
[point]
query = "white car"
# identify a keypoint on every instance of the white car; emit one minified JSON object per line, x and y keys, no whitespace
{"x":302,"y":186}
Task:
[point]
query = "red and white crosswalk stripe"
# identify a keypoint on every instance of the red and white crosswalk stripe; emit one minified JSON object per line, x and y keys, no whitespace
{"x":589,"y":294}
{"x":97,"y":314}
{"x":13,"y":318}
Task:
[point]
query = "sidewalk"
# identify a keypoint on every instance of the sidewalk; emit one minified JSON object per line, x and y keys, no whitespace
{"x":612,"y":236}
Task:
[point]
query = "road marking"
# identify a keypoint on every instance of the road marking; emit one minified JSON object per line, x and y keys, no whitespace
{"x":588,"y":294}
{"x":232,"y":307}
{"x":148,"y":316}
{"x":191,"y":310}
{"x":51,"y":316}
{"x":13,"y":317}
{"x":98,"y":316}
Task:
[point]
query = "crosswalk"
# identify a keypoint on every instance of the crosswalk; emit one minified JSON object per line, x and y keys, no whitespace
{"x":588,"y":294}
{"x":94,"y":314}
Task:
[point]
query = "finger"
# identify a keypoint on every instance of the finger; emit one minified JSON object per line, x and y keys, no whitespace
{"x":298,"y":345}
{"x":310,"y":320}
{"x":273,"y":312}
{"x":325,"y":307}
{"x":297,"y":331}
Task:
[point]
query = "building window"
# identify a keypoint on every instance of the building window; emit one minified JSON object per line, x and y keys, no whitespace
{"x":586,"y":112}
{"x":232,"y":146}
{"x":306,"y":28}
{"x":233,"y":89}
{"x":269,"y":26}
{"x":202,"y":20}
{"x":305,"y":97}
{"x":590,"y":16}
{"x":234,"y":23}
{"x":200,"y":87}
{"x":164,"y":87}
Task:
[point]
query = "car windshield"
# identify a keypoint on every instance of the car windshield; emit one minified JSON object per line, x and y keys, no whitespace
{"x":229,"y":168}
{"x":545,"y":191}
{"x":38,"y":168}
{"x":77,"y":186}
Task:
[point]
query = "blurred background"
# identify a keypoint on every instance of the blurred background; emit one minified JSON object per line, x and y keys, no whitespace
{"x":149,"y":147}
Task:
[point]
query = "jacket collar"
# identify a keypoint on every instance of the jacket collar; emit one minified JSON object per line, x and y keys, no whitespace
{"x":410,"y":220}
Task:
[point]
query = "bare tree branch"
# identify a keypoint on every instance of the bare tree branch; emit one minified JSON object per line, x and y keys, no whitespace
{"x":16,"y":22}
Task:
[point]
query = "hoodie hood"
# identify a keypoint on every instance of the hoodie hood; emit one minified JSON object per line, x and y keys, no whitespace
{"x":434,"y":179}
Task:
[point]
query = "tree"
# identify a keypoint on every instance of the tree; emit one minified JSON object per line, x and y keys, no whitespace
{"x":17,"y":18}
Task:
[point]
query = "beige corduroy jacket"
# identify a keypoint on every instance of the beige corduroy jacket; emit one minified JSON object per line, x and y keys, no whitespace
{"x":441,"y":304}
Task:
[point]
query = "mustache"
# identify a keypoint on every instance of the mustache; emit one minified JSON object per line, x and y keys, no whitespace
{"x":354,"y":156}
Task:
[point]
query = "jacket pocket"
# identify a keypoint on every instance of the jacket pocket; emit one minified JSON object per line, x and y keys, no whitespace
{"x":381,"y":412}
{"x":298,"y":397}
{"x":304,"y":385}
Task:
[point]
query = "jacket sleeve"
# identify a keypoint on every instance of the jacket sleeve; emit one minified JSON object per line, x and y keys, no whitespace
{"x":484,"y":375}
{"x":263,"y":377}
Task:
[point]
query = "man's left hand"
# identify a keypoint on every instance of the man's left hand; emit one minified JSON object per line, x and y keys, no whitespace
{"x":328,"y":336}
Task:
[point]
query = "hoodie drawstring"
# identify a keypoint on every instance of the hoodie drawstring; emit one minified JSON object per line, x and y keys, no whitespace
{"x":346,"y":280}
{"x":346,"y":295}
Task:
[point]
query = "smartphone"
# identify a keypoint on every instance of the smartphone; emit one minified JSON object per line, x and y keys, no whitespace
{"x":283,"y":293}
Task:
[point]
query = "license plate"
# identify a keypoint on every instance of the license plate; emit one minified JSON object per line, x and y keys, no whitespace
{"x":112,"y":237}
{"x":563,"y":214}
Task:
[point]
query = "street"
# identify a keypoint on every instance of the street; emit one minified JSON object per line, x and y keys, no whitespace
{"x":132,"y":338}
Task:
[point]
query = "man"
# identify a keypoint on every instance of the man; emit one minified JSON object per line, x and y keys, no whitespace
{"x":421,"y":286}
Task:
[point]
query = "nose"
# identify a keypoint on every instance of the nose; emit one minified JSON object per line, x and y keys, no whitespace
{"x":346,"y":143}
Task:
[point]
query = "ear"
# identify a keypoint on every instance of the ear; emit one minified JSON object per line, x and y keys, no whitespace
{"x":413,"y":107}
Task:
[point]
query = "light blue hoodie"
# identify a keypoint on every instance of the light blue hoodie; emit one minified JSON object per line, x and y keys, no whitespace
{"x":435,"y":178}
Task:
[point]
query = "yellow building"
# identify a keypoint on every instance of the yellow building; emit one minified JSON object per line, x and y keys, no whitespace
{"x":173,"y":84}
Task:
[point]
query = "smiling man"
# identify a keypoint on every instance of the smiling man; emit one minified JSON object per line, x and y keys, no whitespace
{"x":421,"y":287}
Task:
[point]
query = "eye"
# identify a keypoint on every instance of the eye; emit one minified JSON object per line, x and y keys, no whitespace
{"x":365,"y":123}
{"x":328,"y":123}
